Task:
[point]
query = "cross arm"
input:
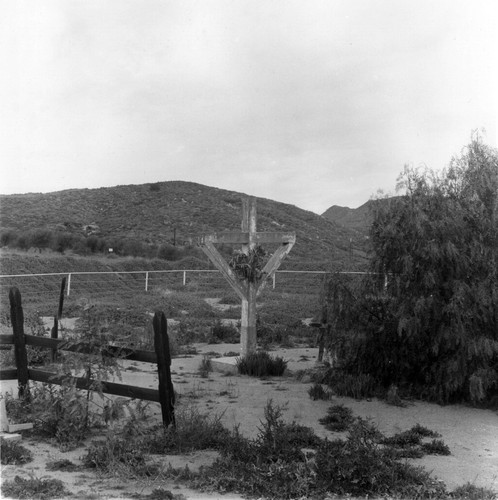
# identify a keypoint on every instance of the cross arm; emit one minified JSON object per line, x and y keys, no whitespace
{"x":276,"y":259}
{"x":217,"y":259}
{"x":242,"y":237}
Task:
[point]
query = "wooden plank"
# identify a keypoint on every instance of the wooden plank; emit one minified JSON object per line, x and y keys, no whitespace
{"x":6,"y":339}
{"x":8,"y":374}
{"x":217,"y":259}
{"x":242,"y":237}
{"x":127,"y":391}
{"x":84,"y":348}
{"x":274,"y":262}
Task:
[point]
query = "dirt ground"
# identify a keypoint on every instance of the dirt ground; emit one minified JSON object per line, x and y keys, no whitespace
{"x":471,"y":434}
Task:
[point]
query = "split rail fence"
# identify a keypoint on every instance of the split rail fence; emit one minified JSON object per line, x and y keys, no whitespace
{"x":23,"y":373}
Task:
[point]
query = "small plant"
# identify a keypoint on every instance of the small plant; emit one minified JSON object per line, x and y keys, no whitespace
{"x":393,"y":398}
{"x":194,"y":431}
{"x":261,"y":364}
{"x":316,"y":391}
{"x":42,"y":489}
{"x":115,"y":452}
{"x":62,"y":465}
{"x":248,"y":266}
{"x":205,"y":367}
{"x":14,"y":453}
{"x":472,"y":492}
{"x":408,"y":444}
{"x":223,"y":333}
{"x":353,"y":386}
{"x":436,"y":447}
{"x":339,"y":418}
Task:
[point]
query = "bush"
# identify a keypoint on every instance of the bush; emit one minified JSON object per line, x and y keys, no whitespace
{"x":274,"y":465}
{"x":223,"y":333}
{"x":14,"y":453}
{"x":205,"y":367}
{"x":8,"y":238}
{"x":42,"y":489}
{"x":193,"y":431}
{"x":261,"y":364}
{"x":168,"y":252}
{"x":358,"y":386}
{"x":472,"y":492}
{"x":339,"y":418}
{"x":316,"y":391}
{"x":359,"y":466}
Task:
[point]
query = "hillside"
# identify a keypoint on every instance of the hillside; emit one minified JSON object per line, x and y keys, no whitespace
{"x":161,"y":212}
{"x":358,"y":219}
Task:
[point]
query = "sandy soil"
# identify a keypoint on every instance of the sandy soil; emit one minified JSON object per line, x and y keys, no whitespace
{"x":471,"y":434}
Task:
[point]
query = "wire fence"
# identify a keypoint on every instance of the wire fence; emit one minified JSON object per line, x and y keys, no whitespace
{"x":45,"y":288}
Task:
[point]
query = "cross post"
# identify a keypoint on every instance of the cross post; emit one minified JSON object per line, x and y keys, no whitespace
{"x":248,"y":290}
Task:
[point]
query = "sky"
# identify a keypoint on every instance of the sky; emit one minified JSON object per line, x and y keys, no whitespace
{"x":314,"y":103}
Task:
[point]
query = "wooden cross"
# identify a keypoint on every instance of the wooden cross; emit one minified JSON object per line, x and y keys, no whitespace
{"x":248,"y":237}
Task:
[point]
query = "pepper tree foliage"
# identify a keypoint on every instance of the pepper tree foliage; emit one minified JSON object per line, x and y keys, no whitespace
{"x":432,"y":326}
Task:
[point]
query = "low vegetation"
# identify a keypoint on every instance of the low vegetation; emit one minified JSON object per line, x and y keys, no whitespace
{"x":261,"y":364}
{"x":14,"y":453}
{"x":41,"y":489}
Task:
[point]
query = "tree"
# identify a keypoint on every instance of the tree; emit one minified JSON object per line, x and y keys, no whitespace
{"x":435,"y":326}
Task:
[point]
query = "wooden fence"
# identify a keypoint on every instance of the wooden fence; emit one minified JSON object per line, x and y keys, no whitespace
{"x":23,"y":373}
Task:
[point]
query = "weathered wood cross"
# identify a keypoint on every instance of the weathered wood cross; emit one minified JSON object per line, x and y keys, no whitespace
{"x":247,"y":290}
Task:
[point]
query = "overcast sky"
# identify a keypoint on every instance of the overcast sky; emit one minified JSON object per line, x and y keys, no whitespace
{"x":308,"y":102}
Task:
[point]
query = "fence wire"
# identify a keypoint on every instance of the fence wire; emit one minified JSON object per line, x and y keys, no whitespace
{"x":45,"y":288}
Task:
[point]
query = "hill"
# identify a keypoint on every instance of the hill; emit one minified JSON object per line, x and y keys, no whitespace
{"x":178,"y":211}
{"x":358,"y":219}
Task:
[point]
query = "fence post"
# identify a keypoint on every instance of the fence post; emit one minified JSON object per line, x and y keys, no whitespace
{"x":17,"y":319}
{"x":184,"y":278}
{"x":61,"y":298}
{"x":68,"y":284}
{"x":54,"y":333}
{"x":146,"y":281}
{"x":166,"y":391}
{"x":274,"y":279}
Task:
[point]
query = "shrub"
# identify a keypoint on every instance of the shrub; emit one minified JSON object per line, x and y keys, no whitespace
{"x":472,"y":492}
{"x":223,"y":333}
{"x":14,"y":453}
{"x":436,"y":447}
{"x":42,"y":489}
{"x":339,"y":418}
{"x":274,"y":465}
{"x":193,"y":431}
{"x":316,"y":391}
{"x":205,"y":367}
{"x":356,"y":386}
{"x":168,"y":252}
{"x":8,"y":238}
{"x":261,"y":364}
{"x":115,"y":450}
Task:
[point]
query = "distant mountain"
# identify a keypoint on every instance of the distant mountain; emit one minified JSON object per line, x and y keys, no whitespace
{"x":358,"y":219}
{"x":179,"y":211}
{"x":355,"y":219}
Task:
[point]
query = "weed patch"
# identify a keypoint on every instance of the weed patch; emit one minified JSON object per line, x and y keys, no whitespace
{"x":339,"y":418}
{"x":261,"y":364}
{"x":14,"y":453}
{"x":41,"y":489}
{"x":316,"y":391}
